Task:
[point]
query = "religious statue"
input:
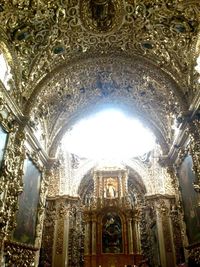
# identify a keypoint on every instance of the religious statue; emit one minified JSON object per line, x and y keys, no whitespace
{"x":110,"y":188}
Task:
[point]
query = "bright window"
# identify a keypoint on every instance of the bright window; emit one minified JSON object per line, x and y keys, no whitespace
{"x":109,"y":134}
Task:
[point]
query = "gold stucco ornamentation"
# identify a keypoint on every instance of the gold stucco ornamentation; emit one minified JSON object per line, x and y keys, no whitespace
{"x":194,"y":254}
{"x":19,"y":254}
{"x":68,"y":58}
{"x":194,"y":149}
{"x":101,"y":16}
{"x":55,"y":35}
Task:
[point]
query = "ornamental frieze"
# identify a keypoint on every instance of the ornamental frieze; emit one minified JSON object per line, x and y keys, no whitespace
{"x":46,"y":35}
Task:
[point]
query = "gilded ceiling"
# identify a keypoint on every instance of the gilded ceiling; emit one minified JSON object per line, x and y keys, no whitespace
{"x":72,"y":56}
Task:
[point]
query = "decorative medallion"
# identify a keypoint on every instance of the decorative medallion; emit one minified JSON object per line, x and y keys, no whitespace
{"x":101,"y":16}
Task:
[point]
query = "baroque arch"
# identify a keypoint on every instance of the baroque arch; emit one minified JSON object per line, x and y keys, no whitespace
{"x":111,"y":80}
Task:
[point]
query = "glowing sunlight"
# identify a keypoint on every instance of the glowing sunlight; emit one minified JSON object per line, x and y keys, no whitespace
{"x":109,"y":134}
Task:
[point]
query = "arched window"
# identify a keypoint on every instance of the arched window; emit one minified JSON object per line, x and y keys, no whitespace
{"x":5,"y":71}
{"x":197,"y":68}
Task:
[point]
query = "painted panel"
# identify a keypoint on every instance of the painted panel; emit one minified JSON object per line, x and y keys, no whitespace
{"x":28,"y":202}
{"x":3,"y":140}
{"x":190,"y":200}
{"x":112,"y":233}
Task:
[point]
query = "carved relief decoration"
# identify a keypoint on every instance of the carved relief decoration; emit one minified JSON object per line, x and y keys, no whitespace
{"x":151,"y":175}
{"x":129,"y":200}
{"x":12,"y":79}
{"x":11,"y":186}
{"x":76,"y":246}
{"x":12,"y":168}
{"x":19,"y":255}
{"x":48,"y":233}
{"x":105,"y":81}
{"x":60,"y":209}
{"x":176,"y":219}
{"x":54,"y":178}
{"x":72,"y":56}
{"x":191,"y":148}
{"x":57,"y":29}
{"x":30,"y":251}
{"x":49,"y":37}
{"x":86,"y":189}
{"x":18,"y":145}
{"x":165,"y":209}
{"x":194,"y":254}
{"x":194,"y":149}
{"x":101,"y":16}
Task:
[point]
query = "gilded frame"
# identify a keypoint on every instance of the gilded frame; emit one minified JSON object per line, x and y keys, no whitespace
{"x":26,"y":218}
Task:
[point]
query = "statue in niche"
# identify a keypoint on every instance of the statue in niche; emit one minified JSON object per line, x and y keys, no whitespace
{"x":112,"y":233}
{"x":110,"y":188}
{"x":102,"y":13}
{"x":110,"y":191}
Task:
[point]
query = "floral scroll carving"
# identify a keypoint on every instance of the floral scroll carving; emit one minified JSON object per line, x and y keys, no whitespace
{"x":19,"y":255}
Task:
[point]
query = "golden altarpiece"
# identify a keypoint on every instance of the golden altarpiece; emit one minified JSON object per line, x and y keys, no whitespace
{"x":112,"y":232}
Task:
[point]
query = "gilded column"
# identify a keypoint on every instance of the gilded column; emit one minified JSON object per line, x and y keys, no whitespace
{"x":136,"y":232}
{"x":130,"y":236}
{"x":194,"y":149}
{"x":66,"y":239}
{"x":120,"y":186}
{"x":96,"y":193}
{"x":165,"y":235}
{"x":124,"y":184}
{"x":87,"y":237}
{"x":100,"y":185}
{"x":161,"y":239}
{"x":58,"y":255}
{"x":94,"y":238}
{"x":137,"y":235}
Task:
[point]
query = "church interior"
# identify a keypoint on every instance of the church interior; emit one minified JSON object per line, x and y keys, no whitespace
{"x":66,"y":61}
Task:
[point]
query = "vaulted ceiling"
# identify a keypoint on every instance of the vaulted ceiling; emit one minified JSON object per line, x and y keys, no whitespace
{"x":70,"y":57}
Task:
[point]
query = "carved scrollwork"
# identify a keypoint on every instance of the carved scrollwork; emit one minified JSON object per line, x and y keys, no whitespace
{"x":58,"y":211}
{"x":48,"y":233}
{"x":60,"y":235}
{"x":163,"y":32}
{"x":12,"y":174}
{"x":194,"y":148}
{"x":194,"y":254}
{"x":107,"y":81}
{"x":54,"y":176}
{"x":19,"y":255}
{"x":7,"y":119}
{"x":11,"y":182}
{"x":57,"y":34}
{"x":176,"y":219}
{"x":76,"y":54}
